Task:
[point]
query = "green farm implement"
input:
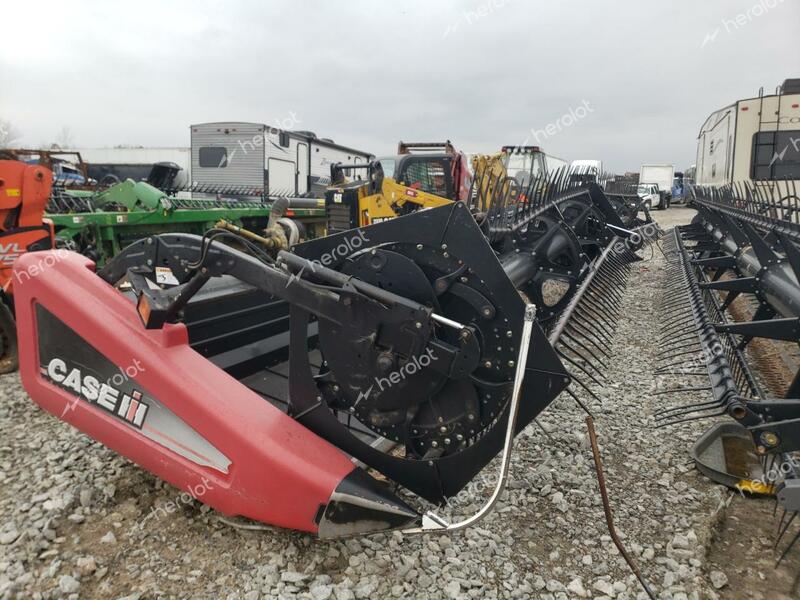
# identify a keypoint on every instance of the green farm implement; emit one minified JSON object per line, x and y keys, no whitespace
{"x":101,"y":224}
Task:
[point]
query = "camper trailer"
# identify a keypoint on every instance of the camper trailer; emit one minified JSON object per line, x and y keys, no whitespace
{"x":255,"y":155}
{"x":755,"y":139}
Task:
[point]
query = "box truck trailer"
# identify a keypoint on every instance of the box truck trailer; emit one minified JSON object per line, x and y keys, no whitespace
{"x":661,"y":176}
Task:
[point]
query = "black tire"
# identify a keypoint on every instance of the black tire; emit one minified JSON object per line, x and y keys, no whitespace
{"x":9,"y":359}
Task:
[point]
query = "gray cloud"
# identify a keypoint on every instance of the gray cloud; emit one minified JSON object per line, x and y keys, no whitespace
{"x":482,"y":73}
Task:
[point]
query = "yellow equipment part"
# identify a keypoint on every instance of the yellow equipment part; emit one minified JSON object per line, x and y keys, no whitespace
{"x":394,"y":200}
{"x":492,"y":181}
{"x":489,"y":171}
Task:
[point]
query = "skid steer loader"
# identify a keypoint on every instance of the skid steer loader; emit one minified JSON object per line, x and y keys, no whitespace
{"x":421,"y":175}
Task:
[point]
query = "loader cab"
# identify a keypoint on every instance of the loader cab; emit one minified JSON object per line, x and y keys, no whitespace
{"x":431,"y":173}
{"x":523,"y":163}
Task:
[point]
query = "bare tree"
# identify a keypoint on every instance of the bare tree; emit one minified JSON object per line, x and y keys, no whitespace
{"x":64,"y":140}
{"x":8,"y":134}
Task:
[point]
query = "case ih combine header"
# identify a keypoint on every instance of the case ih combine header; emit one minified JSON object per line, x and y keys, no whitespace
{"x":412,"y":350}
{"x":741,"y":254}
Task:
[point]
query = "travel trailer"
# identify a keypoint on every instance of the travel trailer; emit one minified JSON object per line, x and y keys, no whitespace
{"x":755,"y":139}
{"x":255,"y":155}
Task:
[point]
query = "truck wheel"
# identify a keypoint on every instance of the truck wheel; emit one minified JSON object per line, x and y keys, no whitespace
{"x":9,"y":361}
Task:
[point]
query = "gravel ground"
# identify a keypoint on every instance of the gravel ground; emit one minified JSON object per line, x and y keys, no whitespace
{"x":78,"y":521}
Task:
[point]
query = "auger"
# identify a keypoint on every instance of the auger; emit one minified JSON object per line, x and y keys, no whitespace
{"x":414,"y":349}
{"x":743,"y":244}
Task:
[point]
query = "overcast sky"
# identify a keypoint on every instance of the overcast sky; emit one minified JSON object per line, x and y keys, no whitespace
{"x":367,"y":74}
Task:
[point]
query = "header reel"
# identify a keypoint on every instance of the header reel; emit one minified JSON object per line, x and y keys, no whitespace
{"x":744,"y":243}
{"x":417,"y":339}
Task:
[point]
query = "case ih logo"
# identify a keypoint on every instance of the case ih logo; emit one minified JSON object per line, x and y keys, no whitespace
{"x":9,"y":253}
{"x":123,"y":405}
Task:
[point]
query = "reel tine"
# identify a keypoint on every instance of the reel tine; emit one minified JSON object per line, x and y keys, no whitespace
{"x":688,"y":420}
{"x":587,"y":389}
{"x":589,"y":339}
{"x":788,"y":548}
{"x":782,"y":530}
{"x":682,"y":390}
{"x":679,"y":346}
{"x":579,"y":366}
{"x":579,"y":401}
{"x":672,"y":356}
{"x":582,"y":345}
{"x":577,"y":316}
{"x":581,"y":356}
{"x":686,"y":409}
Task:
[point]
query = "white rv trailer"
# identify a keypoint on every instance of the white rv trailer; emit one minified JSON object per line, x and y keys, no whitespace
{"x":755,"y":139}
{"x":255,"y":155}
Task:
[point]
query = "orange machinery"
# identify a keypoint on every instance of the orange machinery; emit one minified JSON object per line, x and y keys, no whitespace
{"x":24,"y":193}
